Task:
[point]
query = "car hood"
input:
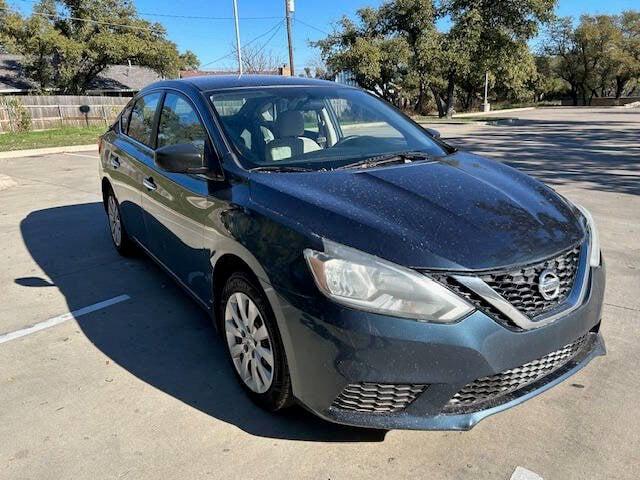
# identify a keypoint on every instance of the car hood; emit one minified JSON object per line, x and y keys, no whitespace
{"x":461,"y":212}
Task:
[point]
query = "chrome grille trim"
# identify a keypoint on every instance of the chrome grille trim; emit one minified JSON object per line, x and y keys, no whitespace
{"x":572,"y":301}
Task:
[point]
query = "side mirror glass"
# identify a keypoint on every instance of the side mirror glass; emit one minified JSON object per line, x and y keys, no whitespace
{"x":181,"y":158}
{"x":433,"y":132}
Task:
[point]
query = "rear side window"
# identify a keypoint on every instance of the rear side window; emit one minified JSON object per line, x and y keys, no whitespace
{"x":142,"y":115}
{"x":179,"y":123}
{"x":227,"y":108}
{"x":125,"y":116}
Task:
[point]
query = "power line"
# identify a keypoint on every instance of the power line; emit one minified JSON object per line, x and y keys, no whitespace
{"x":88,"y":20}
{"x":268,"y":40}
{"x":166,"y":15}
{"x":297,"y":20}
{"x":195,"y":17}
{"x":186,"y":17}
{"x":275,"y":27}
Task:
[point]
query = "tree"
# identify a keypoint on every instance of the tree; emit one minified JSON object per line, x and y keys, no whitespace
{"x":600,"y":57}
{"x":414,"y":21}
{"x":377,"y":61}
{"x":68,"y":43}
{"x":560,"y":44}
{"x":547,"y":84}
{"x":627,"y":53}
{"x":188,"y":61}
{"x":8,"y":21}
{"x":596,"y":39}
{"x":397,"y":51}
{"x":492,"y":36}
{"x":317,"y":69}
{"x":255,"y":59}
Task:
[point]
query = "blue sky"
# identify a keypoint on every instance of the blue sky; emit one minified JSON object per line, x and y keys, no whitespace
{"x":211,"y":39}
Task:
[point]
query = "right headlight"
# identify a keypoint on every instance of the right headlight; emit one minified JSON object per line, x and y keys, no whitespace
{"x":365,"y":282}
{"x":594,"y":238}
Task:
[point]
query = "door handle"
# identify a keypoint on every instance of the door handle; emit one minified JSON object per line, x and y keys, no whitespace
{"x":115,"y":161}
{"x":149,"y":183}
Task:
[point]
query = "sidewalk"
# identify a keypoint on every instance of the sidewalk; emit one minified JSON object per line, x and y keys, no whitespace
{"x":492,"y":112}
{"x":44,"y":151}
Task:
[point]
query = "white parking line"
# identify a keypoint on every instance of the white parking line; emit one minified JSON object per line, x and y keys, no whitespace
{"x":521,"y":473}
{"x":62,"y":318}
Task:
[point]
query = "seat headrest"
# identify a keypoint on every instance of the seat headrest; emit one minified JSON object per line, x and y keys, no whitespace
{"x":290,"y":123}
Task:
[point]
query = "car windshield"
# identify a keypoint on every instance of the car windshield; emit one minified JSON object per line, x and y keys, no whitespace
{"x":318,"y":127}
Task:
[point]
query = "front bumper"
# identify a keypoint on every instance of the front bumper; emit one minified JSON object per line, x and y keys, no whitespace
{"x":330,"y":347}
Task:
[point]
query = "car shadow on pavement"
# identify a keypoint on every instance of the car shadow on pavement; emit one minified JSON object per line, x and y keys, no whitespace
{"x":160,"y":335}
{"x":603,"y":157}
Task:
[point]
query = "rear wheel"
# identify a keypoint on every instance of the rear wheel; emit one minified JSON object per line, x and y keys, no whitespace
{"x":253,"y":343}
{"x":119,"y":236}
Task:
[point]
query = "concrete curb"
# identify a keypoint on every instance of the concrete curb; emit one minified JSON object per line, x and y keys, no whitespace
{"x":492,"y":112}
{"x":46,"y":151}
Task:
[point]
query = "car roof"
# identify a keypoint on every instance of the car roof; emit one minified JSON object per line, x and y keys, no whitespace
{"x":216,"y":82}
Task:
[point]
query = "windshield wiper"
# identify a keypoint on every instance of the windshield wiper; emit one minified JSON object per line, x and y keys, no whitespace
{"x":399,"y":157}
{"x":281,"y":168}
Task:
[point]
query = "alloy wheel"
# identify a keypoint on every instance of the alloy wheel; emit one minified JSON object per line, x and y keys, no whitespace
{"x":249,"y":343}
{"x":114,"y":220}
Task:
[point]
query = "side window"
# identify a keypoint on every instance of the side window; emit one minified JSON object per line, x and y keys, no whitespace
{"x":141,"y":123}
{"x":310,"y":120}
{"x":268,"y":112}
{"x":179,"y":123}
{"x":229,"y":107}
{"x":350,"y":114}
{"x":125,"y":116}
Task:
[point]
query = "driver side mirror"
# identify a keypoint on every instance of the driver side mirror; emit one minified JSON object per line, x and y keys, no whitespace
{"x":433,"y":132}
{"x":181,"y":158}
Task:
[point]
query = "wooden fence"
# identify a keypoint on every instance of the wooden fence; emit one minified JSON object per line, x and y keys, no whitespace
{"x":56,"y":111}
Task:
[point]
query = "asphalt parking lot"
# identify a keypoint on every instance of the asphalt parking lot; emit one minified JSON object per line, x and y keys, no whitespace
{"x":139,"y":388}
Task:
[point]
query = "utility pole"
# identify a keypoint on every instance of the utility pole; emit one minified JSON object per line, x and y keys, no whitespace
{"x":289,"y":7}
{"x":235,"y":15}
{"x":485,"y":105}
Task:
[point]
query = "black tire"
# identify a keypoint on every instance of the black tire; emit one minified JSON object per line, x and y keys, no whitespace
{"x":123,"y":243}
{"x":279,"y":395}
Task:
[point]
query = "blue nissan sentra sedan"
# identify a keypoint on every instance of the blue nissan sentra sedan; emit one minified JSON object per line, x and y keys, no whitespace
{"x":352,"y":261}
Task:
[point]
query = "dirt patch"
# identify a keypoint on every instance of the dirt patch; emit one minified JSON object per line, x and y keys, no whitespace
{"x":6,"y":182}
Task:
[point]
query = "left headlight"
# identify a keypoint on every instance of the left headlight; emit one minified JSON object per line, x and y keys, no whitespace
{"x":365,"y":282}
{"x":594,"y":237}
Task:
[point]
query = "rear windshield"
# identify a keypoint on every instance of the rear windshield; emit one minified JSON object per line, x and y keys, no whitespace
{"x":315,"y":127}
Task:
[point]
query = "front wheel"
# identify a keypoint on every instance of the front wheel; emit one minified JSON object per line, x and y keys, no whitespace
{"x":254,"y":344}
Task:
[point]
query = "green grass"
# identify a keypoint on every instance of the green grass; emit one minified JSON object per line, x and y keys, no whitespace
{"x":60,"y":137}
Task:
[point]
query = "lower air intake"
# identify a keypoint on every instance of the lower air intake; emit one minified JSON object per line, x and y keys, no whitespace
{"x":377,"y":397}
{"x":487,"y":391}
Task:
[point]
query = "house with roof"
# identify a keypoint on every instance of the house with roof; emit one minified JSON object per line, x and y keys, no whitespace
{"x":115,"y":80}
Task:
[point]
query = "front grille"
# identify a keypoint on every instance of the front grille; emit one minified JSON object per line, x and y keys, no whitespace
{"x":377,"y":397}
{"x":520,"y":287}
{"x":495,"y":389}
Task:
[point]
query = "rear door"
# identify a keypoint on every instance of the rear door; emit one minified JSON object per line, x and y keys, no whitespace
{"x":126,"y":159}
{"x":175,"y":204}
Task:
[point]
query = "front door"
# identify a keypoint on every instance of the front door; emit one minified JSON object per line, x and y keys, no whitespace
{"x":175,"y":204}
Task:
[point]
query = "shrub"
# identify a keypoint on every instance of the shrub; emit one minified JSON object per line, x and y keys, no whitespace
{"x":19,"y":115}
